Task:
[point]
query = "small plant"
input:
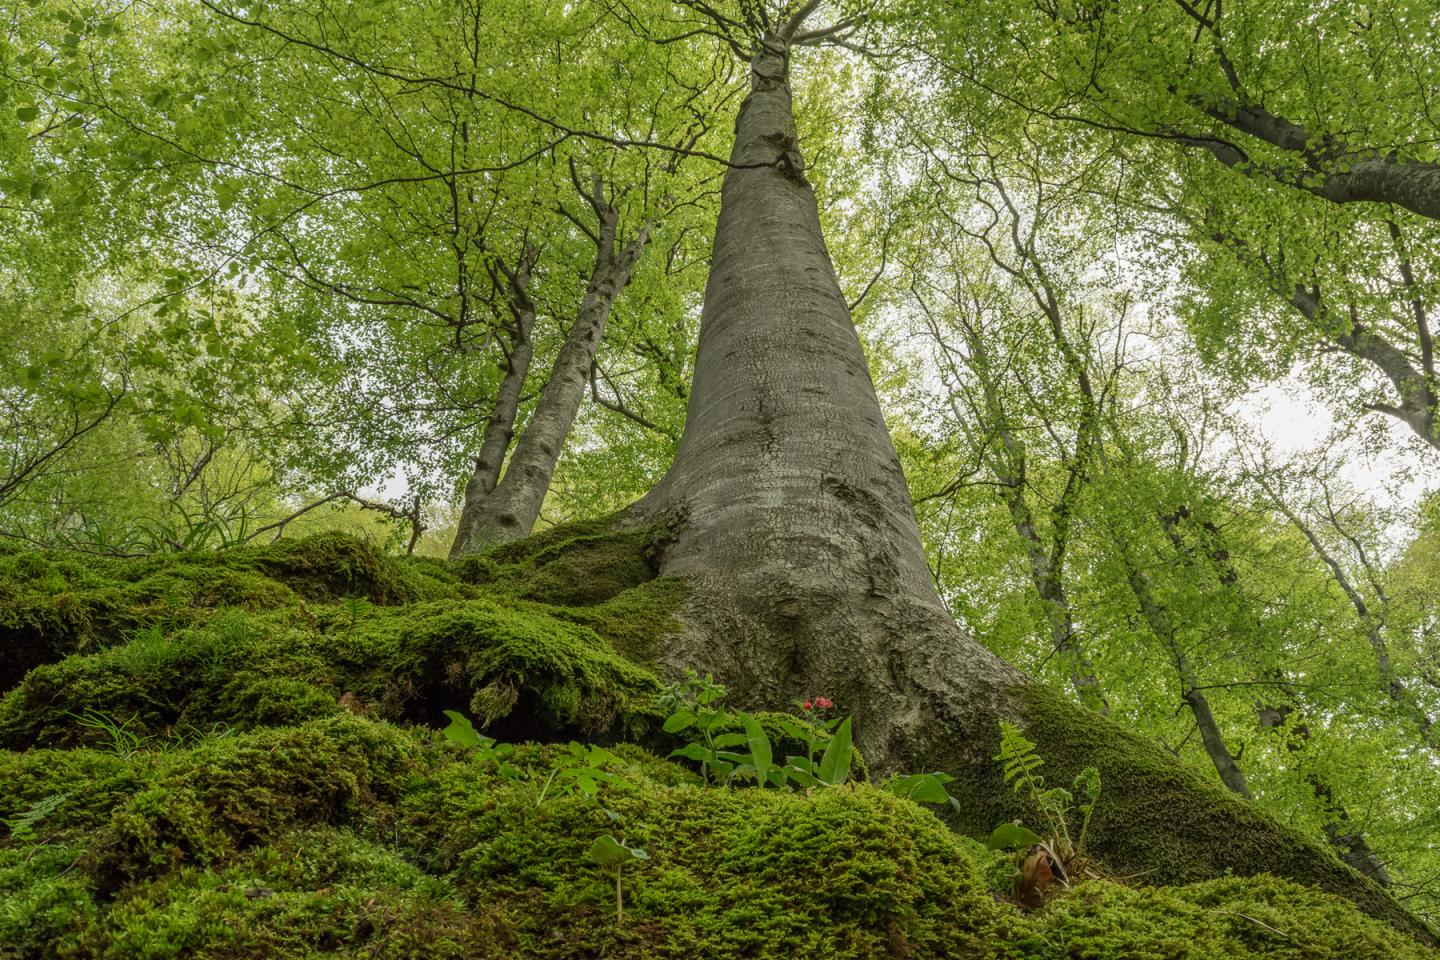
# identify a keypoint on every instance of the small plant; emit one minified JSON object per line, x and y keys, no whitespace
{"x":694,"y":702}
{"x":228,"y":633}
{"x":1042,"y":860}
{"x":922,"y":788}
{"x":612,"y":855}
{"x":829,"y":737}
{"x":123,"y":740}
{"x":730,"y":756}
{"x":22,"y":827}
{"x":147,"y":651}
{"x":581,"y":770}
{"x":354,"y":608}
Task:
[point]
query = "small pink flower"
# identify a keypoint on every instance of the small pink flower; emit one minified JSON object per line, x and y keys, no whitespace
{"x":824,"y":703}
{"x":807,"y":705}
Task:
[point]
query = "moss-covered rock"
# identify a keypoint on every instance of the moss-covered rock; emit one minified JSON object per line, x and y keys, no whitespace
{"x":54,"y":604}
{"x":228,"y":755}
{"x":1135,"y":827}
{"x":354,"y":838}
{"x":513,"y":665}
{"x":578,"y":564}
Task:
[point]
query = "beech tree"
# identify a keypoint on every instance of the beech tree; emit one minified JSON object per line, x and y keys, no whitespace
{"x":1299,"y":178}
{"x":414,"y":261}
{"x":788,"y":513}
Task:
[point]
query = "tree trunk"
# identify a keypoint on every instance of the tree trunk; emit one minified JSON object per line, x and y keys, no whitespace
{"x":787,"y":512}
{"x":500,"y":427}
{"x":1349,"y":844}
{"x":1214,"y":741}
{"x":1334,"y":170}
{"x":509,"y":511}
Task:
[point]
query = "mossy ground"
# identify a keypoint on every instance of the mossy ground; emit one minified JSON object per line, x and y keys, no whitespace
{"x":232,"y":756}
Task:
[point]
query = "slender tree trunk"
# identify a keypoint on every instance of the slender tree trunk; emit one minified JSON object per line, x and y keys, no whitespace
{"x":1190,"y":688}
{"x":1350,"y":844}
{"x":1046,"y":564}
{"x":787,"y":512}
{"x":500,"y":427}
{"x":510,"y":509}
{"x":1393,"y":686}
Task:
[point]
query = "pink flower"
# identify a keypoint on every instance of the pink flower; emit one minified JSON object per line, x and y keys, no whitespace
{"x":807,"y":705}
{"x":824,"y":703}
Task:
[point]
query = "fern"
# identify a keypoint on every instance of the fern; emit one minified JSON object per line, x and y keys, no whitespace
{"x":1018,"y":759}
{"x":22,"y":827}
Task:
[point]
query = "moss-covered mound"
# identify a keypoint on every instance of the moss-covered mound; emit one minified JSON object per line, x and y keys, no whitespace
{"x":233,"y":755}
{"x":352,"y":837}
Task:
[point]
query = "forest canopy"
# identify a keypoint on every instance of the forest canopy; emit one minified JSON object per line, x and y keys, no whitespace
{"x":1064,"y":368}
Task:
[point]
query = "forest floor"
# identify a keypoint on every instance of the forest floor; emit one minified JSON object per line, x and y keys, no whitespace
{"x":237,"y":754}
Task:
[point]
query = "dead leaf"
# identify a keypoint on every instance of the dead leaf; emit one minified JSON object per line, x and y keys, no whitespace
{"x":1036,"y":874}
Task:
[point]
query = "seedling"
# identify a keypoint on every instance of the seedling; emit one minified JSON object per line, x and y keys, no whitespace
{"x":612,"y":855}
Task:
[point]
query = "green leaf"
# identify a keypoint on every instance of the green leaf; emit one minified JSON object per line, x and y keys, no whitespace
{"x":761,"y":756}
{"x":463,"y":732}
{"x":835,"y":764}
{"x":26,"y":114}
{"x":692,"y":751}
{"x":679,"y":720}
{"x":612,"y":854}
{"x":1012,"y":836}
{"x":803,"y":777}
{"x":921,"y":787}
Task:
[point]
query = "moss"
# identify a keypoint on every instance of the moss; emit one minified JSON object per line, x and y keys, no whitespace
{"x":234,"y":792}
{"x":636,"y":620}
{"x":1162,"y":819}
{"x":577,"y":564}
{"x":54,"y":604}
{"x":1217,"y":920}
{"x":515,"y":666}
{"x":317,"y":890}
{"x":249,"y":591}
{"x":351,"y":838}
{"x":268,"y":796}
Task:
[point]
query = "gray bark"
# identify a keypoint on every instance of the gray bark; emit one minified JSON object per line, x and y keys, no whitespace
{"x":1190,"y":688}
{"x":1333,"y":169}
{"x":500,"y":426}
{"x":509,"y":511}
{"x":787,"y":512}
{"x":792,"y":515}
{"x":1415,"y":388}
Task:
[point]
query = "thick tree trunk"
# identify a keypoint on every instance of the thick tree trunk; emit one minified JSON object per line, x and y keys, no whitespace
{"x":500,"y":427}
{"x":509,"y":511}
{"x":788,"y":513}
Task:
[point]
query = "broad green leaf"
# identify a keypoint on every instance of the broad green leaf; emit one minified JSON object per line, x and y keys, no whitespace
{"x":1012,"y":836}
{"x":835,"y":763}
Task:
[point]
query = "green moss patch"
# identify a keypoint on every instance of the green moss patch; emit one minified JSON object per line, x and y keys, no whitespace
{"x":1135,"y":827}
{"x":515,"y":667}
{"x":578,"y":564}
{"x":54,"y":604}
{"x":350,"y":837}
{"x":232,"y":755}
